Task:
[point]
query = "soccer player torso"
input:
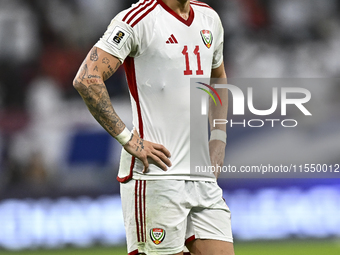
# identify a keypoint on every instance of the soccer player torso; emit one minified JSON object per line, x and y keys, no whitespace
{"x":161,"y":52}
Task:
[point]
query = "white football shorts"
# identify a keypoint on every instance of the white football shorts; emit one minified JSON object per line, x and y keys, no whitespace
{"x":160,"y":216}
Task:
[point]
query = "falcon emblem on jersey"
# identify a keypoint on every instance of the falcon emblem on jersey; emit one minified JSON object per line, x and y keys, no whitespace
{"x":157,"y":235}
{"x":118,"y":37}
{"x":207,"y":38}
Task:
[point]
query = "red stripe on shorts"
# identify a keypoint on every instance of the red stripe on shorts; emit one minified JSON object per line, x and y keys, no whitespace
{"x":136,"y":210}
{"x":141,"y":213}
{"x":144,"y":211}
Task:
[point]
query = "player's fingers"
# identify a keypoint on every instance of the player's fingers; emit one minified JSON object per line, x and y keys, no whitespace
{"x":158,"y":162}
{"x":162,"y":157}
{"x":162,"y":149}
{"x":146,"y":166}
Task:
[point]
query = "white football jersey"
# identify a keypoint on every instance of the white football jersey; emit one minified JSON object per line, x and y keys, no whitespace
{"x":161,"y":52}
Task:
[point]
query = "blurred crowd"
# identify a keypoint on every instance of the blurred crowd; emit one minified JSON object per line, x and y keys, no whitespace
{"x":43,"y":42}
{"x":289,"y":38}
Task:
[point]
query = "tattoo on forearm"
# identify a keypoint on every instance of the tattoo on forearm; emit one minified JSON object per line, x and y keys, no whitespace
{"x":94,"y":54}
{"x":95,"y":94}
{"x":98,"y":101}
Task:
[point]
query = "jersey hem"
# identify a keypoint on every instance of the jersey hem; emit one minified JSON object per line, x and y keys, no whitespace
{"x":137,"y":176}
{"x":218,"y":64}
{"x":135,"y":252}
{"x":165,"y":251}
{"x":217,"y":238}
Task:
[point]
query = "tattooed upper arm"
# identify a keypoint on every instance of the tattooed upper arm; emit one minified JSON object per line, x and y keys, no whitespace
{"x":94,"y":54}
{"x":98,"y":66}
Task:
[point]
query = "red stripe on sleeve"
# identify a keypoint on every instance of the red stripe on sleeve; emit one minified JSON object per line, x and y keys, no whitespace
{"x":201,"y":4}
{"x":133,"y":9}
{"x":143,"y":16}
{"x":139,"y":11}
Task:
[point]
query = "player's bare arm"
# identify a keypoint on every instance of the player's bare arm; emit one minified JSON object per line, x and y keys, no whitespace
{"x":97,"y":67}
{"x":217,"y":153}
{"x":217,"y":147}
{"x":89,"y":82}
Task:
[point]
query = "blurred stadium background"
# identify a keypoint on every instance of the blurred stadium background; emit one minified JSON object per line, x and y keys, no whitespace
{"x":58,"y":167}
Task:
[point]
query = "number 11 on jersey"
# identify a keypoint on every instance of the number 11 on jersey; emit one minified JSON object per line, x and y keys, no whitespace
{"x":188,"y":71}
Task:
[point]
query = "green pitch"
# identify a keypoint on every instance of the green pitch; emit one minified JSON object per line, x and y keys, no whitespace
{"x":313,"y":247}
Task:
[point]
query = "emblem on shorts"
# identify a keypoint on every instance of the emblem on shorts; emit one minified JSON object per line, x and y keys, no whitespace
{"x":207,"y":38}
{"x":157,"y":235}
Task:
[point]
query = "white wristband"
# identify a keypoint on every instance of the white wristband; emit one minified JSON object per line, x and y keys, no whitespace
{"x":124,"y":137}
{"x":218,"y":134}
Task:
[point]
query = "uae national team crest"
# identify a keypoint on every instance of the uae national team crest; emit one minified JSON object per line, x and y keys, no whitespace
{"x":157,"y":235}
{"x":207,"y":38}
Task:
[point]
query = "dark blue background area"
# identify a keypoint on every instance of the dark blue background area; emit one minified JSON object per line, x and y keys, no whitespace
{"x":90,"y":148}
